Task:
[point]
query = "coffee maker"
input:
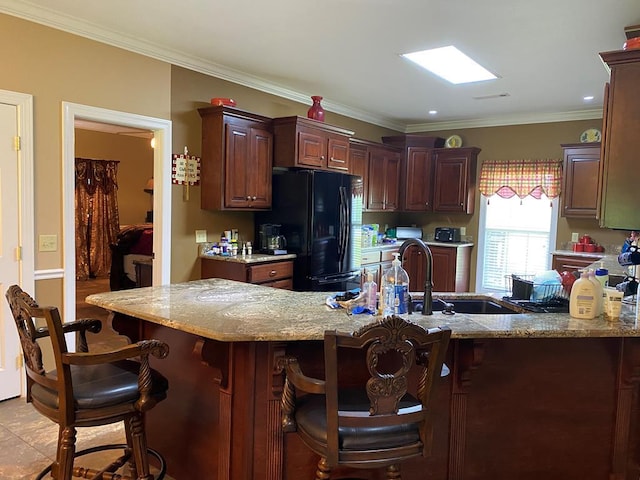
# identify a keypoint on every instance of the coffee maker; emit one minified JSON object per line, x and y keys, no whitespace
{"x":270,"y":240}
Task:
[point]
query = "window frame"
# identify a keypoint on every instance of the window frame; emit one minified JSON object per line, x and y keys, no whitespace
{"x":553,"y":230}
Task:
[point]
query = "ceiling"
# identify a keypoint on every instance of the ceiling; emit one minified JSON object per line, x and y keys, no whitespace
{"x":544,"y":52}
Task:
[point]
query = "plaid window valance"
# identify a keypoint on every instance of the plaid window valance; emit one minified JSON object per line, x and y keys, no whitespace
{"x":507,"y":178}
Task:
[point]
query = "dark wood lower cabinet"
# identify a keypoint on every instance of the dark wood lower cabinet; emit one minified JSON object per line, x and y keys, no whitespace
{"x":571,"y":263}
{"x":511,"y":408}
{"x":277,"y":274}
{"x":451,"y":268}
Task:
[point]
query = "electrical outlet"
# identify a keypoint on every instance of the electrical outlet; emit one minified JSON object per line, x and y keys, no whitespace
{"x":574,"y":236}
{"x":201,"y":236}
{"x":48,"y":243}
{"x":463,"y":231}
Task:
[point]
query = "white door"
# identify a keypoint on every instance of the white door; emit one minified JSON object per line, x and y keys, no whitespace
{"x":10,"y":371}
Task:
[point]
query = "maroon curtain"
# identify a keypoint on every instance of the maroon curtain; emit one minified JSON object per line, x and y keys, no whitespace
{"x":97,"y":219}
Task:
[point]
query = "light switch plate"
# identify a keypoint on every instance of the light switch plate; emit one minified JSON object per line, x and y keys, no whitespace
{"x":574,"y":236}
{"x":463,"y":231}
{"x":48,"y":243}
{"x":201,"y":236}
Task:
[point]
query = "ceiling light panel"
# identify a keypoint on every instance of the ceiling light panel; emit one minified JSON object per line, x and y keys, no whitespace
{"x":451,"y":64}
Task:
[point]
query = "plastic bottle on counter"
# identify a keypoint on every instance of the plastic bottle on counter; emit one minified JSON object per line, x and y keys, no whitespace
{"x":370,"y":290}
{"x":599,"y":291}
{"x":583,"y":302}
{"x":396,"y":289}
{"x":249,"y":248}
{"x":602,"y":275}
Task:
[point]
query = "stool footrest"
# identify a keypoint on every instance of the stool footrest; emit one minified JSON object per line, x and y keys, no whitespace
{"x":108,"y":472}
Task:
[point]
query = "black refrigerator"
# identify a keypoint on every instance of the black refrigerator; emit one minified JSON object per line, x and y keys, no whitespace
{"x":320,"y":214}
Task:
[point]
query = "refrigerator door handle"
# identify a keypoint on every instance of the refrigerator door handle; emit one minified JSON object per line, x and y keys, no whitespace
{"x":323,"y":281}
{"x":343,"y":227}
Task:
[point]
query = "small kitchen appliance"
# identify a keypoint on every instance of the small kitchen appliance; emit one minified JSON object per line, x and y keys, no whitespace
{"x":447,"y":234}
{"x":271,"y":241}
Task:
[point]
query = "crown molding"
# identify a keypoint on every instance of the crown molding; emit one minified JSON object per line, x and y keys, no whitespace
{"x":500,"y":121}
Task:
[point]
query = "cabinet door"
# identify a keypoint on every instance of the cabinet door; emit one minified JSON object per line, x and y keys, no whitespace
{"x":392,"y":177}
{"x":237,"y":154}
{"x":338,"y":154}
{"x":311,"y":149}
{"x":376,"y":183}
{"x":454,"y":180}
{"x":413,"y":262}
{"x":418,"y":180}
{"x":444,"y":269}
{"x":580,"y":190}
{"x":359,"y":166}
{"x":450,"y":179}
{"x":259,"y":169}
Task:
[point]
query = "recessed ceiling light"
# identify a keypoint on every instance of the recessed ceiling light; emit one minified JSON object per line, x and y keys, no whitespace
{"x":588,"y":98}
{"x":433,"y":112}
{"x":450,"y":64}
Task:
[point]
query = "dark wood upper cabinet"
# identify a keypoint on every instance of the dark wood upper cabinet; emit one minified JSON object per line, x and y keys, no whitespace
{"x":237,"y":147}
{"x":306,"y":143}
{"x":434,"y":179}
{"x":454,"y":179}
{"x":580,"y":180}
{"x":383,"y":179}
{"x":621,"y":142}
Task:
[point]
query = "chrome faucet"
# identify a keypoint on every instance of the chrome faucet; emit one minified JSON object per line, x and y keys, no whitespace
{"x":427,"y":301}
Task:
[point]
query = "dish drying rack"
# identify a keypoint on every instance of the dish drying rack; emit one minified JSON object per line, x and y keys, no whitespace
{"x":522,"y":287}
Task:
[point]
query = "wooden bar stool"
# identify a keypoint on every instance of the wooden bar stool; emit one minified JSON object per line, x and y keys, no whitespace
{"x":89,"y":389}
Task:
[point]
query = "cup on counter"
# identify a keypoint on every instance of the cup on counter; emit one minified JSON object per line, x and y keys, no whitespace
{"x":578,"y":247}
{"x":590,"y":247}
{"x":612,"y":303}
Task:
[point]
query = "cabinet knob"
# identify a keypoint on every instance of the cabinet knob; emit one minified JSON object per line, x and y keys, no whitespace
{"x":272,"y":273}
{"x":253,"y":198}
{"x":321,"y":157}
{"x":248,"y":197}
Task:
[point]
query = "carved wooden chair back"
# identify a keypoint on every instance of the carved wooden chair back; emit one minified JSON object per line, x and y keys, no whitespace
{"x":381,"y":419}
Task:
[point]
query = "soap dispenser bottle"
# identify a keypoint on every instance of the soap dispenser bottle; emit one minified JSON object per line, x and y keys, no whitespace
{"x":396,"y":289}
{"x":583,"y":302}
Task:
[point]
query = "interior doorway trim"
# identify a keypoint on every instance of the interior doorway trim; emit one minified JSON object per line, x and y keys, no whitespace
{"x":161,"y":129}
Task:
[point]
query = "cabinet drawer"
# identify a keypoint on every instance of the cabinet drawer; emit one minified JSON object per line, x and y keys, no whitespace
{"x":370,"y":257}
{"x":268,"y":272}
{"x":387,"y":255}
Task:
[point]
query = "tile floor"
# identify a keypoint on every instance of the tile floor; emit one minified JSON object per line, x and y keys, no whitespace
{"x":28,"y":439}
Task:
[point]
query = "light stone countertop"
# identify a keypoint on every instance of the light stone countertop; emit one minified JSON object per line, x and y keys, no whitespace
{"x":230,"y":311}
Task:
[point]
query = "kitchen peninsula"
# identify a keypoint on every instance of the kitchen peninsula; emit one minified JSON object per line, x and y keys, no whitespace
{"x":529,"y":395}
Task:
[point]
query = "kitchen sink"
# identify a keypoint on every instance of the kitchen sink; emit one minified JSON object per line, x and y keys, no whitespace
{"x":476,"y":306}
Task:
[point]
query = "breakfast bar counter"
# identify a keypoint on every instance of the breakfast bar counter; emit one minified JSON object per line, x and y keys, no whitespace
{"x":528,"y":396}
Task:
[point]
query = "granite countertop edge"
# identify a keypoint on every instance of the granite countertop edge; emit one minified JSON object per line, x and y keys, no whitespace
{"x":253,"y":258}
{"x":230,"y":311}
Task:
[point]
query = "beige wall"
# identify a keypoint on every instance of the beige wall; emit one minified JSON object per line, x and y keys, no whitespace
{"x":135,"y":168}
{"x":57,"y":67}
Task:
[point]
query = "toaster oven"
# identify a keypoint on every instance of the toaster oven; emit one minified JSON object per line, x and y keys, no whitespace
{"x":447,"y":234}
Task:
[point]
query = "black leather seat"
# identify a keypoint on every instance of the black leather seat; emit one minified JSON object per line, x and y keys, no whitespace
{"x":378,"y":420}
{"x":88,"y":389}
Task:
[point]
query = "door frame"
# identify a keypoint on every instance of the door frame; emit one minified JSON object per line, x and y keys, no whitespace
{"x":161,"y":129}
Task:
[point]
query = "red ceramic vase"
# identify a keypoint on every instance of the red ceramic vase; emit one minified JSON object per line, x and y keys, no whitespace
{"x":316,"y":112}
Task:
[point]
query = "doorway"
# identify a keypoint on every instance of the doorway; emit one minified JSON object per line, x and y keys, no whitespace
{"x":161,"y":130}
